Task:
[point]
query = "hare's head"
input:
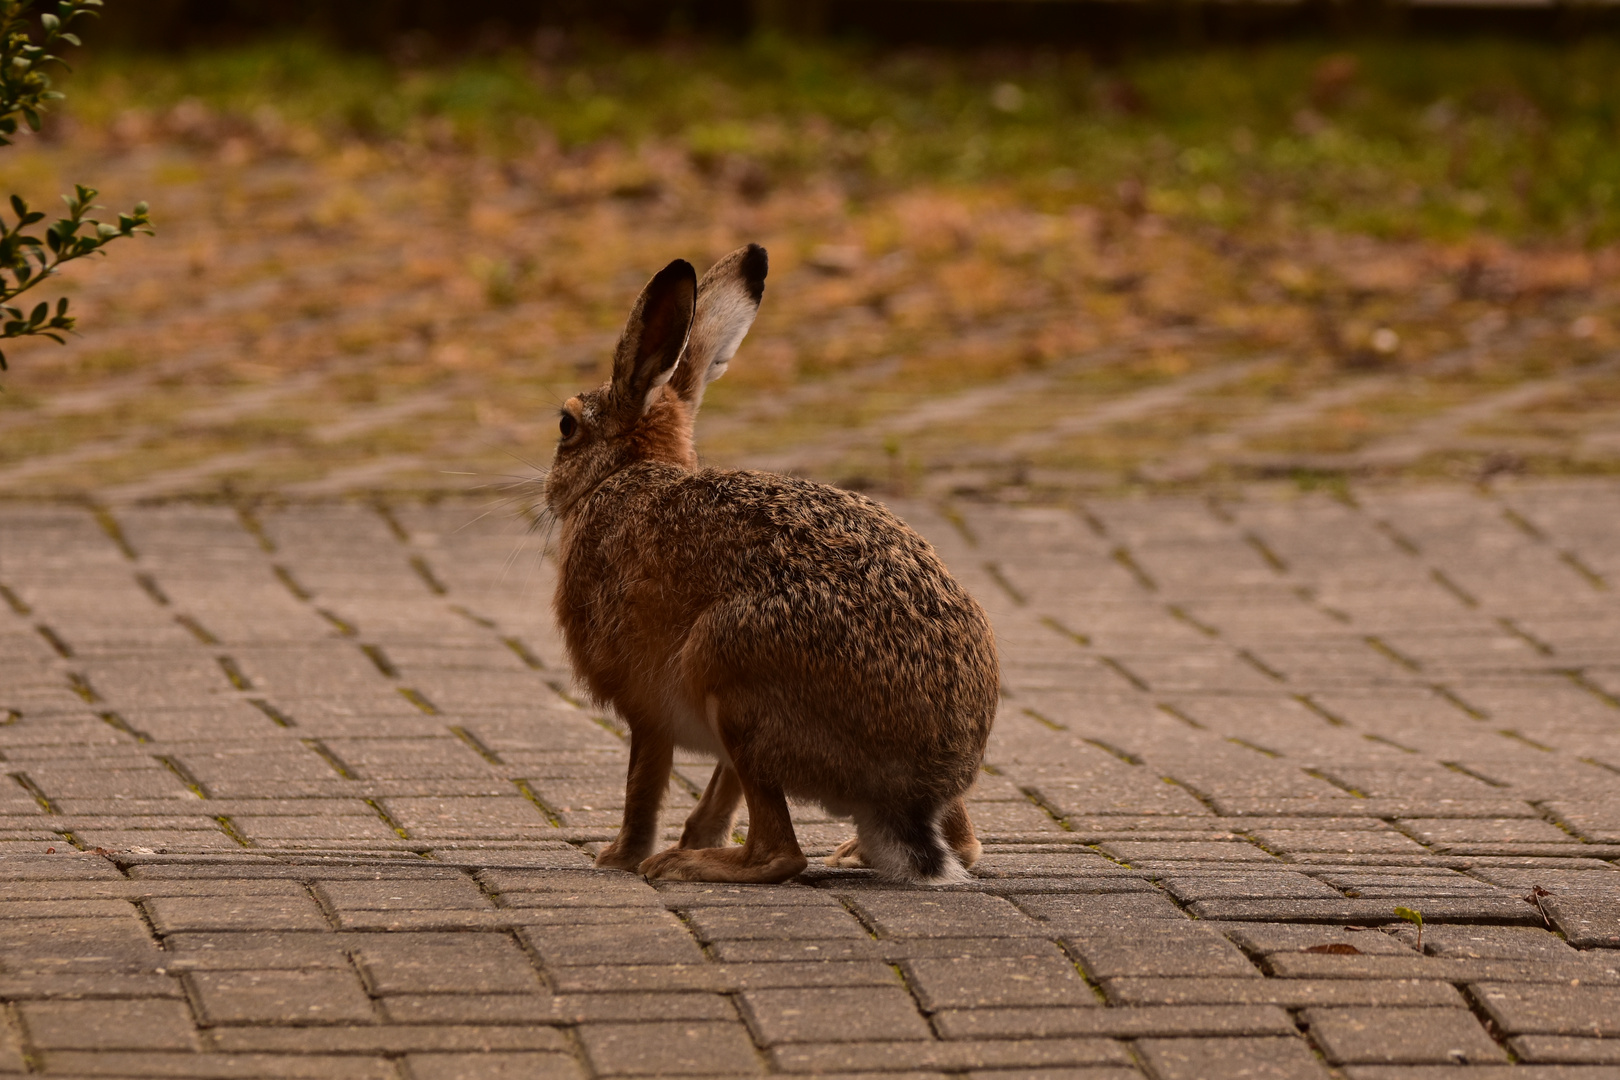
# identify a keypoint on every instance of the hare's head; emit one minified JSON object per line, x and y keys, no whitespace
{"x":679,"y":338}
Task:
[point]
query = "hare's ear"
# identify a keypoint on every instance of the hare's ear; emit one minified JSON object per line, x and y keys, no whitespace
{"x":727,"y":300}
{"x":653,"y":338}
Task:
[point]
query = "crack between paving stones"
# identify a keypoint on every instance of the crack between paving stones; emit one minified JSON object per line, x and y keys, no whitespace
{"x":277,"y":717}
{"x":26,"y":782}
{"x":1320,"y":710}
{"x":197,"y":630}
{"x":1370,"y":737}
{"x":1176,"y":713}
{"x":150,"y":587}
{"x":14,"y":602}
{"x":998,"y":576}
{"x":425,"y":572}
{"x":545,"y":808}
{"x":1466,"y":598}
{"x":1454,"y":698}
{"x":249,"y":520}
{"x":115,"y":532}
{"x":80,"y":685}
{"x":954,"y":518}
{"x":233,"y":672}
{"x":54,"y":640}
{"x":340,"y":624}
{"x":1039,"y":800}
{"x":1180,"y":613}
{"x":285,"y":576}
{"x":118,"y":723}
{"x":182,"y":774}
{"x":1043,"y":720}
{"x":379,"y":659}
{"x":1123,"y":557}
{"x":1579,"y":678}
{"x":387,"y":818}
{"x":476,"y":744}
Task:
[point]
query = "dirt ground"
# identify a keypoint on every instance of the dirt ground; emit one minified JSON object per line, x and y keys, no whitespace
{"x":321,"y":315}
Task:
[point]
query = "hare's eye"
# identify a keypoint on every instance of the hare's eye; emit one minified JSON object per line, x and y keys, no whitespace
{"x":568,"y":426}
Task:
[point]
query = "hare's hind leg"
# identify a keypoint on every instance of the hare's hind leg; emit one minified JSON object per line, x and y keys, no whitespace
{"x":709,"y":824}
{"x":954,"y":826}
{"x":847,"y":855}
{"x":770,"y":855}
{"x":651,"y":757}
{"x":958,"y":832}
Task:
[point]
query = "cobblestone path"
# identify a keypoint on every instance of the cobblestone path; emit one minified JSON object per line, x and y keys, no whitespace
{"x":303,"y":792}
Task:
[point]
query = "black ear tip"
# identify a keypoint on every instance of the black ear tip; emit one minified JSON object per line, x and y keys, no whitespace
{"x":678,"y":270}
{"x":755,"y":264}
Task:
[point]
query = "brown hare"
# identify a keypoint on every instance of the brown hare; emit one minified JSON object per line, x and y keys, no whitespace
{"x":802,"y":634}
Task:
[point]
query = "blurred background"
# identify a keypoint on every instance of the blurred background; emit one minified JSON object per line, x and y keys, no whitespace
{"x":1017,"y":249}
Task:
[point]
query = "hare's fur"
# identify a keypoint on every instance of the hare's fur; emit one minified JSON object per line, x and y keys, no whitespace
{"x":802,"y":634}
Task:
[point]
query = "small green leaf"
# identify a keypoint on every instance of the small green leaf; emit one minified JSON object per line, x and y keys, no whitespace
{"x":1411,"y":916}
{"x":19,"y":207}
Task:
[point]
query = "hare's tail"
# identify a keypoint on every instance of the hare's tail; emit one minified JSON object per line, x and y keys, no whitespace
{"x":908,"y":845}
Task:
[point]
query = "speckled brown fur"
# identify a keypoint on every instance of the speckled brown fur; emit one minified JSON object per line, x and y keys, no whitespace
{"x":802,"y":634}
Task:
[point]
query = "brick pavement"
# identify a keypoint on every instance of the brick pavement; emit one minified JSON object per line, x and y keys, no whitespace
{"x":302,"y":791}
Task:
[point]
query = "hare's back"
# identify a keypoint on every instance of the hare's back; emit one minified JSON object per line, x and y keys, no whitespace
{"x":823,"y":577}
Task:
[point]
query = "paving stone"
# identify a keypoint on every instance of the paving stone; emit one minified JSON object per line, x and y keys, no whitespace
{"x":1136,"y":852}
{"x":470,"y":963}
{"x":820,"y":949}
{"x":1042,"y":1059}
{"x":493,"y":1066}
{"x":828,"y":1015}
{"x":1080,"y":911}
{"x":220,"y":1066}
{"x":1454,"y":909}
{"x":468,"y":1007}
{"x":1231,"y":1059}
{"x":1125,"y":1023}
{"x":1591,"y":967}
{"x":1401,"y":1036}
{"x":451,"y":893}
{"x":975,"y":981}
{"x":613,"y":978}
{"x":1289,"y":993}
{"x":160,"y":1024}
{"x":67,"y":944}
{"x":650,"y":940}
{"x":915,"y":914}
{"x":280,"y":997}
{"x":1565,"y":1049}
{"x":752,"y":922}
{"x":1552,"y":1010}
{"x":177,"y":914}
{"x":392,"y":1039}
{"x":483,"y":940}
{"x":1267,"y":938}
{"x":805,"y":974}
{"x":1160,"y":950}
{"x":1586,"y":923}
{"x":1249,"y":886}
{"x":1491,"y":942}
{"x":670,"y":1049}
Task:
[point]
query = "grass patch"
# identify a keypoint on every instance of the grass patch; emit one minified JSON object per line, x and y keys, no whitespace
{"x":1394,"y":138}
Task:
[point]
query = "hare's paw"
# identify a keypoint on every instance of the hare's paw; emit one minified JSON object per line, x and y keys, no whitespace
{"x":615,"y":857}
{"x":848,"y":854}
{"x":721,"y":864}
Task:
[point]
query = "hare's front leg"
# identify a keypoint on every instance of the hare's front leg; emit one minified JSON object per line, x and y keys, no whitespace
{"x":771,"y":853}
{"x":709,"y":825}
{"x":652,"y":755}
